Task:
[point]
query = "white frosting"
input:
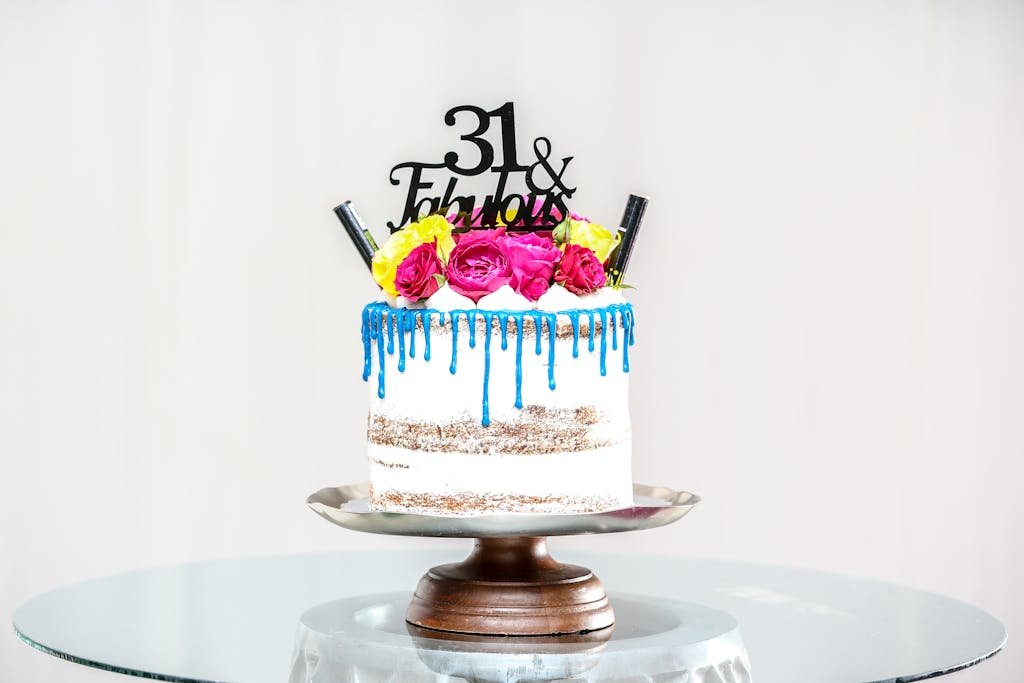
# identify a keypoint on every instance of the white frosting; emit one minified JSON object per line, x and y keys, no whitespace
{"x":447,"y":299}
{"x":606,"y":296}
{"x":386,"y":298}
{"x":402,"y":302}
{"x":504,"y":299}
{"x":558,"y":298}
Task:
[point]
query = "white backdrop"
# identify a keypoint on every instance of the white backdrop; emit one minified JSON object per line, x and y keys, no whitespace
{"x":830,"y":280}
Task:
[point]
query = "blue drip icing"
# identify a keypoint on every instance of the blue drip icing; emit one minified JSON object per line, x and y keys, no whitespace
{"x":485,"y":420}
{"x":411,"y":321}
{"x":537,"y":317}
{"x":627,"y":333}
{"x":574,"y":318}
{"x":380,"y":360}
{"x":366,"y":332}
{"x":519,"y":360}
{"x":552,"y":328}
{"x":391,"y":332}
{"x":455,"y":341}
{"x":377,"y":315}
{"x":402,"y":324}
{"x":426,"y":334}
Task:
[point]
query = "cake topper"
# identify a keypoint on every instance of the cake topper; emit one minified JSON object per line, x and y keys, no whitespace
{"x":543,"y":208}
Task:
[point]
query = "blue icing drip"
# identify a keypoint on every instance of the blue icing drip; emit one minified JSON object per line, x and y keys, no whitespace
{"x":410,"y":323}
{"x":391,"y":332}
{"x":366,"y":343}
{"x":426,"y":333}
{"x":613,"y":319}
{"x":604,"y":343}
{"x":471,"y":317}
{"x":519,"y":359}
{"x":380,"y":358}
{"x":574,"y":317}
{"x":590,"y":339}
{"x":486,"y":418}
{"x":537,"y":317}
{"x":627,"y":331}
{"x":440,"y":317}
{"x":552,"y":329}
{"x":503,"y":324}
{"x":632,"y":326}
{"x":455,"y":341}
{"x":401,"y":342}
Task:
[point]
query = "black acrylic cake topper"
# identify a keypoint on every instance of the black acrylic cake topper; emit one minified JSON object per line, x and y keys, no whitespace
{"x":544,"y":206}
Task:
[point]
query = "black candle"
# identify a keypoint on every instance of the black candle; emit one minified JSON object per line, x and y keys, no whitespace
{"x":632,"y":217}
{"x":357,"y":230}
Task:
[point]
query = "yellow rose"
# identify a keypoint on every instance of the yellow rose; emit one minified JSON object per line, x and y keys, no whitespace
{"x":434,"y":228}
{"x":387,"y":259}
{"x":392,"y":252}
{"x":597,"y":238}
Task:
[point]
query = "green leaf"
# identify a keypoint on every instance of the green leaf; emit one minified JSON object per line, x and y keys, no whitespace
{"x":441,"y":281}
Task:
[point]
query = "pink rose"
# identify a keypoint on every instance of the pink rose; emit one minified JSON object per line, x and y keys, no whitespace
{"x":493,"y":235}
{"x":533,"y":260}
{"x":580,"y":271}
{"x":478,"y":264}
{"x":415,"y":276}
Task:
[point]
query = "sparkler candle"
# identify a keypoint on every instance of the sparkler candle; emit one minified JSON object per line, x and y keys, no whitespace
{"x":357,"y":230}
{"x":632,"y":217}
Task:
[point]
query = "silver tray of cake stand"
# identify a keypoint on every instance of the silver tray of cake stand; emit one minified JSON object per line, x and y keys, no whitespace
{"x":349,"y":506}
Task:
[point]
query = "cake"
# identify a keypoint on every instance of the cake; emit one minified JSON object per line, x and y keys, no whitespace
{"x":497,"y":362}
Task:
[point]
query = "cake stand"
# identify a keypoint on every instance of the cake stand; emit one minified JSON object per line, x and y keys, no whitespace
{"x":509,"y":585}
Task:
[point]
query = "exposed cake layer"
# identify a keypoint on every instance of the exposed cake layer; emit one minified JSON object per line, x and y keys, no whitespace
{"x":585,"y":481}
{"x":537,"y":430}
{"x":469,"y":503}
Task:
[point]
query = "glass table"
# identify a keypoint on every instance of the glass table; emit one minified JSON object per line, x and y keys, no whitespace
{"x":338,"y":617}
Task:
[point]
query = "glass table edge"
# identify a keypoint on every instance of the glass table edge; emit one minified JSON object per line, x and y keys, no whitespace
{"x":949,"y":670}
{"x":93,"y":664}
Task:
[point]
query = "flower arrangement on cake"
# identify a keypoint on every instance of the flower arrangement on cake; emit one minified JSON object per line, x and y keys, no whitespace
{"x":421,"y":258}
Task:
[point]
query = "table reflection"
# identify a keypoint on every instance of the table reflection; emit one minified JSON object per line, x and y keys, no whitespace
{"x":366,"y":639}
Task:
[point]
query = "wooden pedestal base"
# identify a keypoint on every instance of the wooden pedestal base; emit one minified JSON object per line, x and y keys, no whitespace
{"x":513,"y":587}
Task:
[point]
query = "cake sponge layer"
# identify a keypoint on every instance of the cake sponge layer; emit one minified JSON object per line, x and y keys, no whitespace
{"x":468,"y":483}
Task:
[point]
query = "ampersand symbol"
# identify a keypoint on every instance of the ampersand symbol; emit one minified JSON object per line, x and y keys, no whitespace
{"x":542,"y":148}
